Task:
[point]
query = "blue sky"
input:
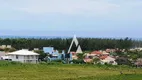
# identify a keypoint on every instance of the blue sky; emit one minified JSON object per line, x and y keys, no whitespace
{"x":91,"y":18}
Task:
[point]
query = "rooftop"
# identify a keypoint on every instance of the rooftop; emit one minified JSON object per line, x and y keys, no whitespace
{"x":23,"y":52}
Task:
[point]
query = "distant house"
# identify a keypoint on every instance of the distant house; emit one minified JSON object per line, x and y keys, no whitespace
{"x":90,"y":56}
{"x":6,"y":57}
{"x":55,"y":55}
{"x":73,"y":55}
{"x":138,"y":62}
{"x":88,"y":60}
{"x":3,"y":46}
{"x":109,"y":60}
{"x":108,"y":50}
{"x":24,"y":56}
{"x":2,"y":55}
{"x":96,"y":53}
{"x":104,"y":55}
{"x":49,"y":50}
{"x":36,"y":49}
{"x":8,"y":46}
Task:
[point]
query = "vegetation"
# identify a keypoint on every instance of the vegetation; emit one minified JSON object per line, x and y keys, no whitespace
{"x":96,"y":60}
{"x":87,"y":44}
{"x":51,"y":71}
{"x":9,"y":49}
{"x":41,"y":53}
{"x":55,"y":70}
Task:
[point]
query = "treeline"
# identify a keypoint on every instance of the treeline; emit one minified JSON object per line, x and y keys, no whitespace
{"x":137,"y":43}
{"x":63,"y":44}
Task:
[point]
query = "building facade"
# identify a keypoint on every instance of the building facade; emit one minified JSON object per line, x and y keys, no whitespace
{"x":24,"y":56}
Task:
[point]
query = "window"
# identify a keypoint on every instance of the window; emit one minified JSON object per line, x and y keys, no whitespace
{"x":32,"y":57}
{"x":29,"y":61}
{"x":16,"y":56}
{"x":36,"y":57}
{"x":28,"y":57}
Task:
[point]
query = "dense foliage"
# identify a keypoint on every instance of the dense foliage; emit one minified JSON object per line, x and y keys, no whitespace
{"x":63,"y":44}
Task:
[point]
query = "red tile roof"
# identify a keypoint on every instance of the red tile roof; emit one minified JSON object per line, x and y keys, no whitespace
{"x":103,"y":57}
{"x":88,"y":60}
{"x":73,"y":53}
{"x":96,"y":52}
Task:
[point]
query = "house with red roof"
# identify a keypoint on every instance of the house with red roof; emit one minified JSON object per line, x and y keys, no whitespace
{"x":104,"y":57}
{"x":109,"y":60}
{"x":97,"y":53}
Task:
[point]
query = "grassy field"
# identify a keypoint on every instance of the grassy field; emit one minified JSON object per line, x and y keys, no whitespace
{"x":14,"y":71}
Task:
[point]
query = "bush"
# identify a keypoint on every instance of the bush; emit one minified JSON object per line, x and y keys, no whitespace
{"x":7,"y":63}
{"x":54,"y":63}
{"x":78,"y":61}
{"x":15,"y":63}
{"x":4,"y":63}
{"x":50,"y":63}
{"x":57,"y":60}
{"x":43,"y":62}
{"x":12,"y":50}
{"x":123,"y":61}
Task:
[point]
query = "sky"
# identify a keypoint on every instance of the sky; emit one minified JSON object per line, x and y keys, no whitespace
{"x":85,"y":18}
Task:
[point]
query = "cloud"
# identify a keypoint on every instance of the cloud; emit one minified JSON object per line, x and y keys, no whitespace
{"x":115,"y":9}
{"x":62,"y":6}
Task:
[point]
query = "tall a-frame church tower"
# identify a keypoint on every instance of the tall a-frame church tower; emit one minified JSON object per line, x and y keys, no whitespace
{"x":79,"y":50}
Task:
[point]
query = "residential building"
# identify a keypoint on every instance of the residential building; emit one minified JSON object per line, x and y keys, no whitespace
{"x":3,"y":55}
{"x":109,"y":60}
{"x":8,"y":46}
{"x":49,"y":50}
{"x":35,"y":49}
{"x":24,"y":56}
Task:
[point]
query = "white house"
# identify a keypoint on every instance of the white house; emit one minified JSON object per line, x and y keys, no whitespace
{"x":24,"y":56}
{"x":109,"y":60}
{"x":9,"y":46}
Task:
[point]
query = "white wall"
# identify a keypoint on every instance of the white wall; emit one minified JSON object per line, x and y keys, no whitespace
{"x":25,"y":59}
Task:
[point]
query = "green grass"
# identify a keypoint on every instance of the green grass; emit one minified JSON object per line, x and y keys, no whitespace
{"x":18,"y":71}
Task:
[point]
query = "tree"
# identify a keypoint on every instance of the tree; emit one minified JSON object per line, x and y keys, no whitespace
{"x":123,"y":61}
{"x":41,"y":53}
{"x":80,"y":56}
{"x":96,"y":60}
{"x":87,"y":44}
{"x":12,"y":50}
{"x":6,"y":49}
{"x":80,"y":59}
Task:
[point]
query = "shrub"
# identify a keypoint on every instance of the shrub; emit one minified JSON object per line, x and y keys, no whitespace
{"x":15,"y":63}
{"x":79,"y":61}
{"x":42,"y":63}
{"x":4,"y":63}
{"x":54,"y":63}
{"x":57,"y":60}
